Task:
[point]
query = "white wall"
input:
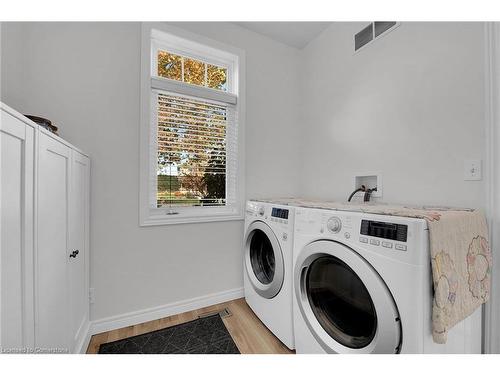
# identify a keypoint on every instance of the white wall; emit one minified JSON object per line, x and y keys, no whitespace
{"x":409,"y":105}
{"x":85,"y":77}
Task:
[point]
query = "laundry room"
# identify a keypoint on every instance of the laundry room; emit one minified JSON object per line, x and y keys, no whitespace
{"x":233,"y":185}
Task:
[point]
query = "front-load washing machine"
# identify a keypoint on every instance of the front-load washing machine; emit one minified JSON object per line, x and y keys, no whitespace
{"x":268,"y":246}
{"x":362,"y":284}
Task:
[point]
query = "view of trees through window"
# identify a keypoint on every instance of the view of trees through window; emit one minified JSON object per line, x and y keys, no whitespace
{"x":191,"y":166}
{"x":192,"y":71}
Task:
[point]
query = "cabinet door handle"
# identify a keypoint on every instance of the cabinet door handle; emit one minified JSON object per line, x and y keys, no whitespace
{"x":74,"y":254}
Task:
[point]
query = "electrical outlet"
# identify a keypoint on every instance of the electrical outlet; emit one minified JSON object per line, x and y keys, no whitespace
{"x":472,"y":170}
{"x":91,"y":295}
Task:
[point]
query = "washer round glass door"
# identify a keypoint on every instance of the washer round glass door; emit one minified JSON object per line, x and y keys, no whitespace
{"x":344,"y":302}
{"x":263,"y":260}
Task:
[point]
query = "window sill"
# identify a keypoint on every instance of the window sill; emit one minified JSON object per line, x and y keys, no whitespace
{"x":183,"y":218}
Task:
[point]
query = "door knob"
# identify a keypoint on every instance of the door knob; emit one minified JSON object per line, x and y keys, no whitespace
{"x":74,"y":254}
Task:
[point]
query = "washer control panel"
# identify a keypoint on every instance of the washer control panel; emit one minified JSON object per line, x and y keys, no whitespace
{"x":269,"y":212}
{"x":281,"y":213}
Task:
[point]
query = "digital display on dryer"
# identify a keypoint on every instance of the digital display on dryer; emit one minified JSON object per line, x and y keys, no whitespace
{"x":390,"y":231}
{"x":280,"y":213}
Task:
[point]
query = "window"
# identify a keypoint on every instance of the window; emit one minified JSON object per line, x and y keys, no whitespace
{"x":191,"y":136}
{"x":192,"y":71}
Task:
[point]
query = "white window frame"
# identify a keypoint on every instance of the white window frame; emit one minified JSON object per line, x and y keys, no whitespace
{"x":172,"y":39}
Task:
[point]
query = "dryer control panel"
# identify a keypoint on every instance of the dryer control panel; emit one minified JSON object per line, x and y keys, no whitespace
{"x":401,"y":238}
{"x":389,"y":231}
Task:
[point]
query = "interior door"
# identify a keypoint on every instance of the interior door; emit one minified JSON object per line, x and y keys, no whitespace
{"x":264,"y":260}
{"x":52,"y":257}
{"x":78,"y":256}
{"x":16,"y":234}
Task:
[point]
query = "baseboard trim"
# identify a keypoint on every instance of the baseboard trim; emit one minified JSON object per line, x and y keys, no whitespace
{"x":84,"y":341}
{"x":146,"y":315}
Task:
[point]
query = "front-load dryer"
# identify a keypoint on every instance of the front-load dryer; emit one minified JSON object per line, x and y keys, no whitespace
{"x":268,"y":245}
{"x":362,"y":284}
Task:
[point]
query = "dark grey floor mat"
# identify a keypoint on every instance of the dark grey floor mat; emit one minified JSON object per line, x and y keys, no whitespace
{"x":206,"y":335}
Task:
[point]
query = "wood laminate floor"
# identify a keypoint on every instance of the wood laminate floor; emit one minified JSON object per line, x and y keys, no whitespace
{"x":247,"y":331}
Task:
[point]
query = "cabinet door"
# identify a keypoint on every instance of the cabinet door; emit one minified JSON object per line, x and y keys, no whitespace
{"x":16,"y":234}
{"x":79,"y":250}
{"x":52,"y":256}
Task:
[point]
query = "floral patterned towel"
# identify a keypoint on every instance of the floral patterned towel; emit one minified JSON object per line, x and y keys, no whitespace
{"x":461,"y":267}
{"x":460,"y":256}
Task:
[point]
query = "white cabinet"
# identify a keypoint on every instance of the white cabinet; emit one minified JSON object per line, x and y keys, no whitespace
{"x":79,"y":248}
{"x":17,"y":145}
{"x":56,"y":264}
{"x":52,"y":263}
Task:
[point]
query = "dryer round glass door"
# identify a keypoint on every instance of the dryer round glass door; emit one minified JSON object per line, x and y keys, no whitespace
{"x":263,"y":260}
{"x":344,"y":302}
{"x":340,"y":302}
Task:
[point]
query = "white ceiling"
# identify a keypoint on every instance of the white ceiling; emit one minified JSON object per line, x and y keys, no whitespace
{"x":294,"y":34}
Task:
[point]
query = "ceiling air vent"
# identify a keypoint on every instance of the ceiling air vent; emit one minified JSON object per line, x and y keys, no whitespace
{"x":363,"y":37}
{"x":382,"y":27}
{"x":372,"y":32}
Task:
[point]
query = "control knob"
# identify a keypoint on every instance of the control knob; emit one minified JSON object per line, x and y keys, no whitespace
{"x":334,"y":224}
{"x":261,"y":211}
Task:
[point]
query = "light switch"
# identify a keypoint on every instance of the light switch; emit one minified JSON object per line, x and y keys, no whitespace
{"x":472,"y":170}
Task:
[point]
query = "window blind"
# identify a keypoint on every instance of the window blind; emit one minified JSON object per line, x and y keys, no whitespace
{"x":196,"y":148}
